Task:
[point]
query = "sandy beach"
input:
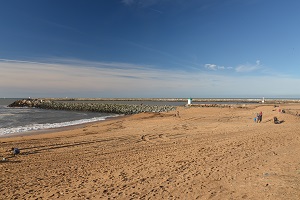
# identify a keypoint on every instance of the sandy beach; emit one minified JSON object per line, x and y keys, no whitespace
{"x":204,"y":153}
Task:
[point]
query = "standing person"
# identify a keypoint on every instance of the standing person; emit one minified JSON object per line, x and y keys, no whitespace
{"x":260,"y":116}
{"x":257,"y":117}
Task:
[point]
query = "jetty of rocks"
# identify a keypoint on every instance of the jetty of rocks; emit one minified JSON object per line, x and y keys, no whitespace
{"x":91,"y":107}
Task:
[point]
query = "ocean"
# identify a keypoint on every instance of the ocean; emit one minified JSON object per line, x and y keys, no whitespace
{"x":19,"y":120}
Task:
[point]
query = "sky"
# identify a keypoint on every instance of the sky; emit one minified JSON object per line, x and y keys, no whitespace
{"x":150,"y":48}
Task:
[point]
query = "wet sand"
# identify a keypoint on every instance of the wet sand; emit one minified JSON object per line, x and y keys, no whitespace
{"x":205,"y":153}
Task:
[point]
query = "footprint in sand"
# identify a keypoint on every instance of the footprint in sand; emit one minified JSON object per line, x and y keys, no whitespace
{"x":163,"y":137}
{"x":145,"y":138}
{"x":154,"y":138}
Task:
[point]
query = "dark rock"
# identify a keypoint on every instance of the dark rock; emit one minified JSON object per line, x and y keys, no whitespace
{"x":92,"y":107}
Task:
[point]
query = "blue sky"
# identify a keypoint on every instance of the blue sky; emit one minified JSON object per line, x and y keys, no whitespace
{"x":150,"y":48}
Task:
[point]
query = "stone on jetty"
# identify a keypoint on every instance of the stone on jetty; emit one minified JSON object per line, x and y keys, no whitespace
{"x":92,"y":107}
{"x":26,"y":103}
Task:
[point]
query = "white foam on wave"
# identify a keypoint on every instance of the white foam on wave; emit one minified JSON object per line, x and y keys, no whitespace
{"x":34,"y":127}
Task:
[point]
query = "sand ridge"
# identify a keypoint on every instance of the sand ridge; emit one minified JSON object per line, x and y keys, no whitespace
{"x":204,"y":153}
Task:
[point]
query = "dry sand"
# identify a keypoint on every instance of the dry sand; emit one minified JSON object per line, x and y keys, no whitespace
{"x":206,"y":153}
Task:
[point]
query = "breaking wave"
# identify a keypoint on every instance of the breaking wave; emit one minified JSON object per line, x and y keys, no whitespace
{"x":34,"y":127}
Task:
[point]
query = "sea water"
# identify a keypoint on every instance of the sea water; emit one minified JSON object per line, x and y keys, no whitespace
{"x":18,"y":120}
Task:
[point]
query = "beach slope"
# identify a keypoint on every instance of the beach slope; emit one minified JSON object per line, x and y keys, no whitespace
{"x":204,"y":153}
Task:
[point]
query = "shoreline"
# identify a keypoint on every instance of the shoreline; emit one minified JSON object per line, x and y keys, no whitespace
{"x":77,"y":126}
{"x":57,"y":130}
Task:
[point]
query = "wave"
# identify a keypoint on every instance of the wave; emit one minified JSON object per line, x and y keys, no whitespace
{"x":34,"y":127}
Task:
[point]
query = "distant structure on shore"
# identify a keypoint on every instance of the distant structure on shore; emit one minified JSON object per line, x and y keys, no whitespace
{"x":189,"y":101}
{"x":263,"y":100}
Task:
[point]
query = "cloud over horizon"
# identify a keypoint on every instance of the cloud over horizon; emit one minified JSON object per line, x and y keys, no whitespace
{"x":239,"y":69}
{"x":78,"y":78}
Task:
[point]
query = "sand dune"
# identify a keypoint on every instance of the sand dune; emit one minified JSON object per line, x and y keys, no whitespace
{"x":205,"y":153}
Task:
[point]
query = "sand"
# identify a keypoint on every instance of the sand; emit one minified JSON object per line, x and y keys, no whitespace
{"x":205,"y":153}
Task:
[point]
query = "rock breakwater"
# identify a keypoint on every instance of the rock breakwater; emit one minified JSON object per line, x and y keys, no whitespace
{"x":91,"y":107}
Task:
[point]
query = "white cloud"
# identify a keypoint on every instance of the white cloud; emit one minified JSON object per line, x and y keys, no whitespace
{"x":248,"y":67}
{"x":211,"y":66}
{"x":240,"y":68}
{"x":214,"y":67}
{"x":78,"y":78}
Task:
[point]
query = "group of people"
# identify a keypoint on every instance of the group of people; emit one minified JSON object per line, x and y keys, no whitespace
{"x":258,"y":117}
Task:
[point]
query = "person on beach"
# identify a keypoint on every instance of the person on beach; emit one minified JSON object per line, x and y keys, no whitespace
{"x":276,"y":120}
{"x":260,"y":116}
{"x":15,"y":151}
{"x":257,"y":118}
